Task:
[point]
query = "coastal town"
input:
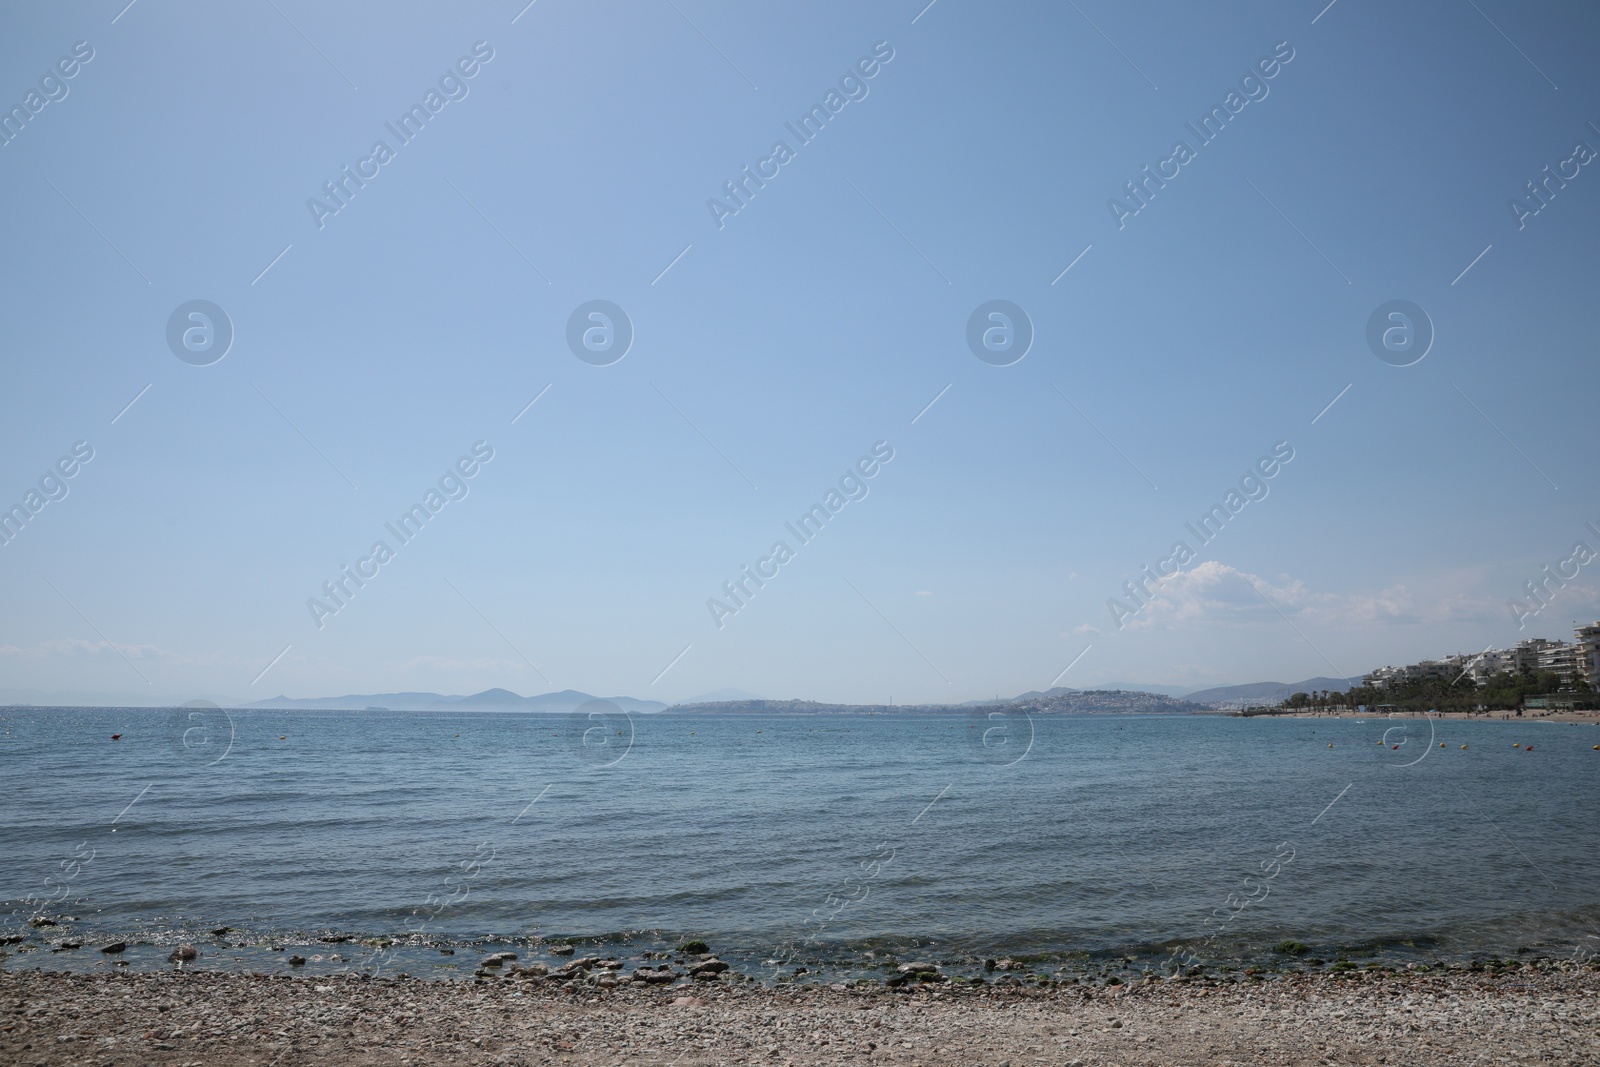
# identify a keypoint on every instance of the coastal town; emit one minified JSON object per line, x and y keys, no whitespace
{"x":1536,"y":677}
{"x":1576,"y":663}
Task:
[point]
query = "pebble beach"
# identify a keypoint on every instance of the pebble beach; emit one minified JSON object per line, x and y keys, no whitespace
{"x":1546,"y":1012}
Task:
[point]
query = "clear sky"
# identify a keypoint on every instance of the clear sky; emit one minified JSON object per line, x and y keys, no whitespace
{"x":378,"y":337}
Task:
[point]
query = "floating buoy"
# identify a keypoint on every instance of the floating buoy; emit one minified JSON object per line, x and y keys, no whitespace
{"x":1516,"y":746}
{"x":1528,"y":749}
{"x":1464,"y":747}
{"x":1330,"y":745}
{"x":1597,"y":748}
{"x":116,"y":737}
{"x":285,"y":737}
{"x":1441,"y":744}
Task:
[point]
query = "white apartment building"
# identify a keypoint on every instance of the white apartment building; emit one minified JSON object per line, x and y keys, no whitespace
{"x":1576,"y":663}
{"x":1589,"y":653}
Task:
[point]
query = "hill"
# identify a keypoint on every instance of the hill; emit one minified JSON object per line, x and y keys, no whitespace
{"x":489,"y":700}
{"x":1265,"y":692}
{"x":1054,"y":702}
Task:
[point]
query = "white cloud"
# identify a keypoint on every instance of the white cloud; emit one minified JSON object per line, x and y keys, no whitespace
{"x":1214,"y":593}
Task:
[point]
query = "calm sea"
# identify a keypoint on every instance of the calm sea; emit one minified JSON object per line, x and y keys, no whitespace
{"x":1091,"y":841}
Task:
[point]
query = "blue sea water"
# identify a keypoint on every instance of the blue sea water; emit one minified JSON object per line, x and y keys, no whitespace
{"x":809,"y":840}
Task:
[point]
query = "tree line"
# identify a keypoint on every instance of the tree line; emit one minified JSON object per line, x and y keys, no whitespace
{"x":1502,"y":691}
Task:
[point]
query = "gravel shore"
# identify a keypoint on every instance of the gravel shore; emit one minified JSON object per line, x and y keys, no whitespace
{"x":1548,"y":1013}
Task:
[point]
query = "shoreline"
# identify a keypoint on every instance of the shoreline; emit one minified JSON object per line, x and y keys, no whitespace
{"x":64,"y":946}
{"x":1548,"y":1010}
{"x":1589,"y":717}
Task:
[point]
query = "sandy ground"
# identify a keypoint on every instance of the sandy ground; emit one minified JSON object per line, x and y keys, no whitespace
{"x":1544,"y":1013}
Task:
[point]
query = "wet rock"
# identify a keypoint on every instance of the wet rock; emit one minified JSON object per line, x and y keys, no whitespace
{"x":220,"y":931}
{"x":297,"y":961}
{"x":113,"y":948}
{"x":654,"y":976}
{"x":183,"y":954}
{"x":917,"y":968}
{"x":447,"y":952}
{"x":40,"y":920}
{"x":694,"y":948}
{"x":710,"y":967}
{"x":532,"y":970}
{"x":562,"y":950}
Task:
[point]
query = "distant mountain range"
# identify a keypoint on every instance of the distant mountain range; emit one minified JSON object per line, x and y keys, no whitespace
{"x":1261,"y":692}
{"x":1052,"y":702}
{"x":488,"y":700}
{"x":1124,"y":696}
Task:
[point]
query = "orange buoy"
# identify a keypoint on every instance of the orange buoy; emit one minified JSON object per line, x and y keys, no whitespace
{"x":1441,"y":744}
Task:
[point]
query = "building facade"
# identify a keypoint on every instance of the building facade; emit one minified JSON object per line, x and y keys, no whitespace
{"x":1577,"y":664}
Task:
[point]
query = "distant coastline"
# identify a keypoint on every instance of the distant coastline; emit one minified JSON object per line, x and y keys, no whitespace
{"x":1111,"y":696}
{"x":567,"y":702}
{"x":1068,"y":702}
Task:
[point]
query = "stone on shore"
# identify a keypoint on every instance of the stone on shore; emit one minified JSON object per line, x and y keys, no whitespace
{"x":1541,"y":1012}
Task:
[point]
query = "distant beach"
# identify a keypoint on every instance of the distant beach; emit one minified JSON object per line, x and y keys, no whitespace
{"x":1587,"y":717}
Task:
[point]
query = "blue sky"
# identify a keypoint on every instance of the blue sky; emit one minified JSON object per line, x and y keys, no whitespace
{"x":769,"y":354}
